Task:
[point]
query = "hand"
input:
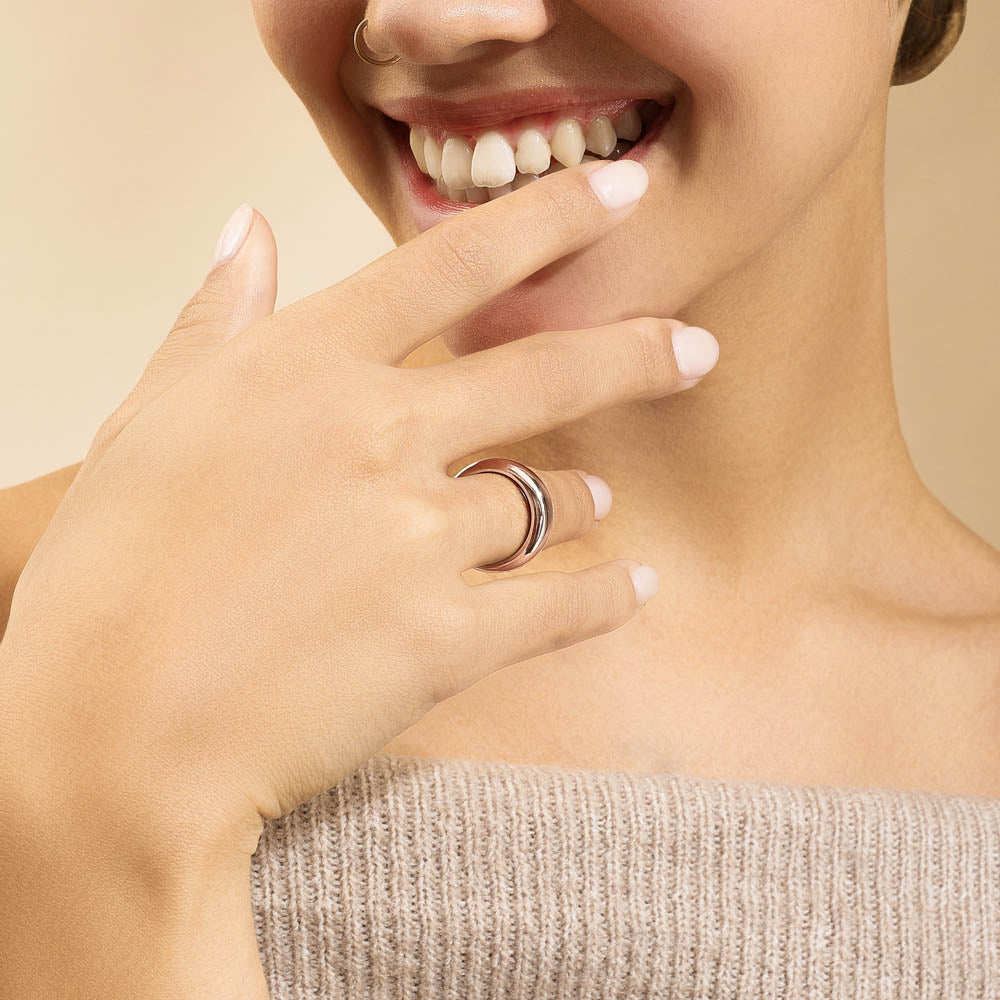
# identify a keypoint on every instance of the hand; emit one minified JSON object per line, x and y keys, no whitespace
{"x":255,"y":580}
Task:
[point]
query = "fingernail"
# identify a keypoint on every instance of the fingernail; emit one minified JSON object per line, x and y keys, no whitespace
{"x":601,"y":493}
{"x":646,"y":582}
{"x":695,"y":351}
{"x":233,"y":234}
{"x":619,"y":184}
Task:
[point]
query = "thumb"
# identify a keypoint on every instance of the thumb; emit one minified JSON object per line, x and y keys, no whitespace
{"x":240,"y":289}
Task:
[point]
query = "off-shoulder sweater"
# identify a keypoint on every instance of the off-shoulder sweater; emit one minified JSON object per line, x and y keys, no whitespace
{"x":434,"y":878}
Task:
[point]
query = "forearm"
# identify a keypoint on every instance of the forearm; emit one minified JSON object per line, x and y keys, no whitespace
{"x":77,"y":930}
{"x":90,"y":907}
{"x":25,"y":511}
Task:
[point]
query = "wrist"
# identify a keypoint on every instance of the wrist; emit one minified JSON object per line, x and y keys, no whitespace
{"x":103,"y":773}
{"x":114,"y":883}
{"x":88,"y":915}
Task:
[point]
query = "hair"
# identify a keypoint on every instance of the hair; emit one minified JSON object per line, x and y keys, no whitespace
{"x":931,"y":31}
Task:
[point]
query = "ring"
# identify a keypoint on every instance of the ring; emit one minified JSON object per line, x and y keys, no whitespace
{"x":536,"y":496}
{"x":365,"y":53}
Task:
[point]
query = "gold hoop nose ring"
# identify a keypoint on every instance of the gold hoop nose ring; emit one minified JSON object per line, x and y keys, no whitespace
{"x":365,"y":53}
{"x":536,"y":496}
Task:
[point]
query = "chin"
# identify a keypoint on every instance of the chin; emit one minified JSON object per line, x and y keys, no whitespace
{"x":575,"y":292}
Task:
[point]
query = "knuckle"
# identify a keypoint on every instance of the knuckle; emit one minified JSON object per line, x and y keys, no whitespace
{"x":380,"y":440}
{"x":424,"y":523}
{"x":652,"y":354}
{"x":551,"y":376}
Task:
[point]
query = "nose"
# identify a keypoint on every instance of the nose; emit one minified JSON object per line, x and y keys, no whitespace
{"x":447,"y":31}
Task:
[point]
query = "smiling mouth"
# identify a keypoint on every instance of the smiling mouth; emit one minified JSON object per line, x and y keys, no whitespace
{"x":477,"y":165}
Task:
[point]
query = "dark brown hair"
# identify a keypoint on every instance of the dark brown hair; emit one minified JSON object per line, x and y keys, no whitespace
{"x":932,"y":29}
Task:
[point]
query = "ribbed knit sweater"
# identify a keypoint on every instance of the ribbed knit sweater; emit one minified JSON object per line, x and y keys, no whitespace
{"x":433,"y":878}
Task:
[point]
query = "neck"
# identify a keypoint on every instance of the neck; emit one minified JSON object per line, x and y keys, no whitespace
{"x":790,"y":449}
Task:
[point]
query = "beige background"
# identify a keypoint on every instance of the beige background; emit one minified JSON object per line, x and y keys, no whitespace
{"x":132,"y":130}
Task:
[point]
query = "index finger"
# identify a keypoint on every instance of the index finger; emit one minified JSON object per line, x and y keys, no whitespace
{"x":413,"y":293}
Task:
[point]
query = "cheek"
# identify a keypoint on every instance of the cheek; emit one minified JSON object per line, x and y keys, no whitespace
{"x":306,"y":40}
{"x":309,"y":42}
{"x":791,"y":81}
{"x":778,"y":93}
{"x":779,"y":89}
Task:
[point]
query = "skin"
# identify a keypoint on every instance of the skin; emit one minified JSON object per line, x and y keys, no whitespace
{"x":822,"y":617}
{"x":828,"y":620}
{"x":255,"y":579}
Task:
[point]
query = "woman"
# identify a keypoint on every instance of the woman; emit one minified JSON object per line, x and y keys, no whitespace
{"x":258,"y":609}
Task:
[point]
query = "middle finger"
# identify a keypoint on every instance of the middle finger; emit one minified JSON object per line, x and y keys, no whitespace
{"x":524,"y":387}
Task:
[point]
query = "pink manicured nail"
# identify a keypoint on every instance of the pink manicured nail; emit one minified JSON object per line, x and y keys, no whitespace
{"x":646,"y":582}
{"x":645,"y":579}
{"x":695,"y":351}
{"x":233,"y":234}
{"x":619,"y":184}
{"x":601,"y":493}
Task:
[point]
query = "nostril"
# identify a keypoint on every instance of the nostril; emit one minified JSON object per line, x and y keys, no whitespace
{"x":434,"y":32}
{"x":375,"y":39}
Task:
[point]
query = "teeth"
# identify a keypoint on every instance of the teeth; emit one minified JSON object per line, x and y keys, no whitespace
{"x":456,"y":163}
{"x":533,"y":153}
{"x":493,"y":161}
{"x":449,"y":192}
{"x":567,"y":142}
{"x":481,"y":170}
{"x":600,"y":136}
{"x":418,"y":136}
{"x":629,"y":125}
{"x":432,"y":157}
{"x":621,"y":148}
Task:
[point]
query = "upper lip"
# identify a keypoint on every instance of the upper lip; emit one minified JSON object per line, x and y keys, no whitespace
{"x":496,"y":108}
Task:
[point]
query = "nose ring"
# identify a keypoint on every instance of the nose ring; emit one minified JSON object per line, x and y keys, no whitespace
{"x":365,"y":53}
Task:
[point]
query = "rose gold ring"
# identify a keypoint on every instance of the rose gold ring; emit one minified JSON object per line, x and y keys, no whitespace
{"x":536,"y":496}
{"x":365,"y":53}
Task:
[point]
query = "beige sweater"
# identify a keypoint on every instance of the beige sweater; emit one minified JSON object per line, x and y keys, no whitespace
{"x":442,"y":878}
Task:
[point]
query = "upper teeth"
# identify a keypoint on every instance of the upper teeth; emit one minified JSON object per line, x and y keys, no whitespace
{"x":492,"y":161}
{"x":456,"y":163}
{"x":461,"y":169}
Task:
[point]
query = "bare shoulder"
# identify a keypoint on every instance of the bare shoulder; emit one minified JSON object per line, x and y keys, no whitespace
{"x":949,"y":572}
{"x":922,"y":622}
{"x":946,"y":593}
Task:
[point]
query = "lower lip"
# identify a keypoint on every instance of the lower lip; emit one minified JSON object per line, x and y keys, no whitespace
{"x":429,"y":207}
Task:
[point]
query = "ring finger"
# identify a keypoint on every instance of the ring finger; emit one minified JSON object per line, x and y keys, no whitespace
{"x":491,"y":513}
